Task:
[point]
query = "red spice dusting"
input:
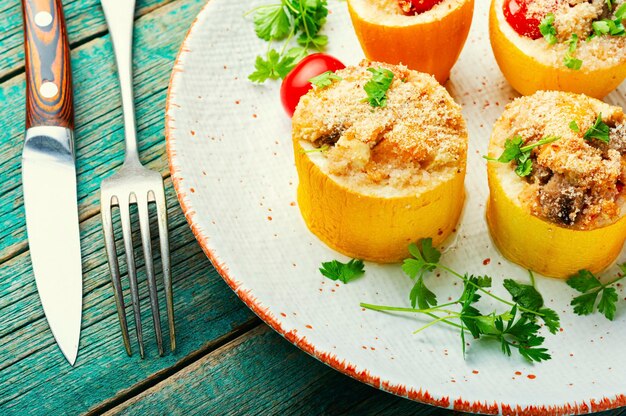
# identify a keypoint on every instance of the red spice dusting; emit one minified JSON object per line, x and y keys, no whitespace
{"x":283,"y":314}
{"x":440,"y":232}
{"x":237,"y":102}
{"x":475,"y":372}
{"x":518,"y":373}
{"x":364,"y":347}
{"x":293,"y":204}
{"x":193,"y":191}
{"x":269,"y":218}
{"x":309,"y":326}
{"x":372,"y":348}
{"x":561,"y":329}
{"x":193,"y":133}
{"x":486,"y":261}
{"x":254,"y":115}
{"x":531,"y":376}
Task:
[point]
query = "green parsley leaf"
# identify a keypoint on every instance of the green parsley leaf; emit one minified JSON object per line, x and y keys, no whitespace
{"x":421,"y":295}
{"x":514,"y":151}
{"x":574,"y":126}
{"x":325,"y":80}
{"x":590,"y":287}
{"x":620,"y":13}
{"x":529,"y":298}
{"x":376,"y":88}
{"x":271,"y":22}
{"x":609,"y":4}
{"x":569,"y":60}
{"x":599,"y":131}
{"x":336,"y":270}
{"x":302,"y":19}
{"x":606,"y":306}
{"x":547,"y":29}
{"x":273,"y":67}
{"x":525,"y":295}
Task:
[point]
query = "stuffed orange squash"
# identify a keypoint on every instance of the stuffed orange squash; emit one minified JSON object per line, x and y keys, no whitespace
{"x":380,"y":152}
{"x":424,"y":35}
{"x":565,"y":45}
{"x":556,"y":178}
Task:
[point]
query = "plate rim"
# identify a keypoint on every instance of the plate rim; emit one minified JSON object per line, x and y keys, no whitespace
{"x":300,"y":341}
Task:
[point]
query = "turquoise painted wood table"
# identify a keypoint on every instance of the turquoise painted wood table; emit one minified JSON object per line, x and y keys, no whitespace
{"x":228,"y":361}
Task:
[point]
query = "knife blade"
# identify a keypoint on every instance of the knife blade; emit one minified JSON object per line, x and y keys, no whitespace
{"x":49,"y":172}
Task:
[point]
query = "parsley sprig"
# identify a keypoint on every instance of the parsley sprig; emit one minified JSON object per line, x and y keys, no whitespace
{"x":336,"y":270}
{"x":570,"y":61}
{"x":515,"y":151}
{"x":282,"y":22}
{"x":612,"y":27}
{"x":376,"y":88}
{"x":325,"y":79}
{"x":547,"y":29}
{"x":599,"y":130}
{"x":590,"y":286}
{"x":515,"y":328}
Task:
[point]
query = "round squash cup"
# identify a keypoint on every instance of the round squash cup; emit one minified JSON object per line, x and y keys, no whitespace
{"x":374,"y":228}
{"x":427,"y":44}
{"x":537,"y":244}
{"x":527,"y":74}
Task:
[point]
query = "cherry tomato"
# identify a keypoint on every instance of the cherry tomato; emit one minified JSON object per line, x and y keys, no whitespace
{"x":296,"y":83}
{"x":421,"y":6}
{"x":515,"y":14}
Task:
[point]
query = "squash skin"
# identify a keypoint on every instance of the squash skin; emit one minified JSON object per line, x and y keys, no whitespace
{"x":421,"y":46}
{"x":527,"y":75}
{"x":542,"y":246}
{"x":374,"y":228}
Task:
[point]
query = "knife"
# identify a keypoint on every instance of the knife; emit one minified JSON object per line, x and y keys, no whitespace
{"x":49,"y":172}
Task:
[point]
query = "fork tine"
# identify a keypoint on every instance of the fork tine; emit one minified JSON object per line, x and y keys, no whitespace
{"x":132,"y":271}
{"x":109,"y":239}
{"x":144,"y":224}
{"x":159,"y":199}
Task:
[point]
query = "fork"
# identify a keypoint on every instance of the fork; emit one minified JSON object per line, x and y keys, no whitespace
{"x":134,"y":184}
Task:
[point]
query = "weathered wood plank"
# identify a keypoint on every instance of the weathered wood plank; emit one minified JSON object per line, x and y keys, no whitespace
{"x":35,"y":378}
{"x":84,"y":20}
{"x":99,"y":131}
{"x":261,"y":373}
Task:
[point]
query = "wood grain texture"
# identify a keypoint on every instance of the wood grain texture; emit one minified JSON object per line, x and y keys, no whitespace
{"x":84,"y":18}
{"x":34,"y":379}
{"x":259,"y":373}
{"x":47,"y":62}
{"x":99,"y":138}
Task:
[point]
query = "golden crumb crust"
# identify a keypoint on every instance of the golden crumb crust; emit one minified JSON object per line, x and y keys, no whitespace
{"x":575,"y":182}
{"x":418,"y":137}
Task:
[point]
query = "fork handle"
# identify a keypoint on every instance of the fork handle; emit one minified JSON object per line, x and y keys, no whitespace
{"x":49,"y":99}
{"x":120,"y":18}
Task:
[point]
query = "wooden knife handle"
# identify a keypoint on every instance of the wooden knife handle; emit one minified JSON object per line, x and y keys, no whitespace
{"x":49,"y":98}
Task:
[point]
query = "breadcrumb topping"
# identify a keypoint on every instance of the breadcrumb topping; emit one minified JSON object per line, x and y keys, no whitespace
{"x":419,"y":137}
{"x":576,"y":17}
{"x":574,"y":182}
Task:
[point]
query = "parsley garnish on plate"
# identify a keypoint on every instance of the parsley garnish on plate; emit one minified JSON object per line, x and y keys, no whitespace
{"x":325,"y":79}
{"x":599,"y":130}
{"x":346,"y":272}
{"x":590,"y":286}
{"x":282,"y":22}
{"x":376,"y":88}
{"x":514,"y":151}
{"x":547,"y":29}
{"x":515,"y":329}
{"x":570,"y":61}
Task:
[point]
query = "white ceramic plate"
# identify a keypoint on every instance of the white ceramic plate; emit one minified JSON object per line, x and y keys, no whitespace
{"x":232,"y":164}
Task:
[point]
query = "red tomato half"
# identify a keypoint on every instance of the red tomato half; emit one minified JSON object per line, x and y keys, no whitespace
{"x":296,"y":83}
{"x":515,"y":14}
{"x":421,"y":6}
